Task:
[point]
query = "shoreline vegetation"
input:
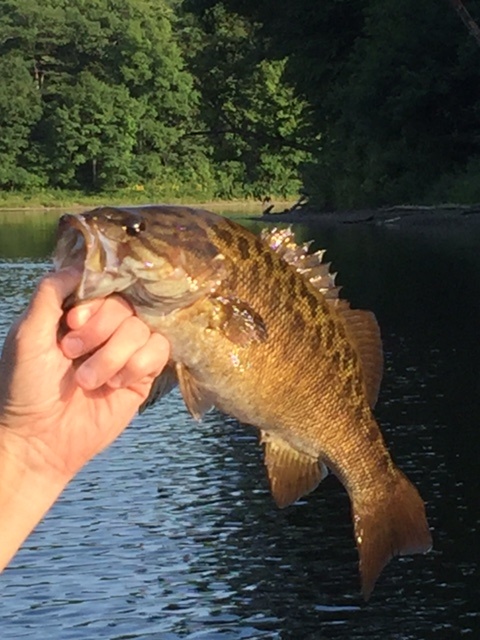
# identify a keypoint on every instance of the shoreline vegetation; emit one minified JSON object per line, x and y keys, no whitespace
{"x":270,"y":210}
{"x":71,"y":200}
{"x":224,"y":205}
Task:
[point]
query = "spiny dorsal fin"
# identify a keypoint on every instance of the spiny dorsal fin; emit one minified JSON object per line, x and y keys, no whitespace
{"x":283,"y":242}
{"x":196,"y":397}
{"x":162,"y":385}
{"x":361,"y":325}
{"x":291,"y":474}
{"x":309,"y":265}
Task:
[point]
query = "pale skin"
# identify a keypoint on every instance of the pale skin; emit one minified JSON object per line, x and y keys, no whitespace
{"x":57,"y":412}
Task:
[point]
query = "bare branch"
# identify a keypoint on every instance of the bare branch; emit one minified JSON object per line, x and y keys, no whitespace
{"x":467,"y":19}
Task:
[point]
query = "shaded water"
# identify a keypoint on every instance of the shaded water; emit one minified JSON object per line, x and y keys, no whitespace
{"x":172,"y":533}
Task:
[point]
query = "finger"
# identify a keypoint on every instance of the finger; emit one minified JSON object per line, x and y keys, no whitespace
{"x":147,"y":362}
{"x":108,"y":314}
{"x":80,"y":314}
{"x":108,"y":360}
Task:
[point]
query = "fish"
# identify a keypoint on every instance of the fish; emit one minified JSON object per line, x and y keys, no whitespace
{"x":258,"y":330}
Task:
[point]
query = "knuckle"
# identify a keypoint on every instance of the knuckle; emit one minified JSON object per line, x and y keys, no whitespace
{"x":137,"y":329}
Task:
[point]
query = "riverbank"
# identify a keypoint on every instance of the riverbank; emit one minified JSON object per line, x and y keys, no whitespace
{"x":282,"y":211}
{"x":404,"y":215}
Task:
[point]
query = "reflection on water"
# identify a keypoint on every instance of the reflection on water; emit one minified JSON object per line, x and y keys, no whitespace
{"x":27,"y":234}
{"x":172,"y":533}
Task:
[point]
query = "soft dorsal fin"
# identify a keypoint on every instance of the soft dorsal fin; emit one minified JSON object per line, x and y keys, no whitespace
{"x":292,"y":474}
{"x":362,"y":326}
{"x":364,"y":332}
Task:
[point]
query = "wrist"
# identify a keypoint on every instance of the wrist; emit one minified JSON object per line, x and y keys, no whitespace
{"x":28,"y":488}
{"x":31,"y":456}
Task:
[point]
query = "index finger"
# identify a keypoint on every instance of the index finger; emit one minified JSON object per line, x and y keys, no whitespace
{"x":80,"y":314}
{"x":100,"y":319}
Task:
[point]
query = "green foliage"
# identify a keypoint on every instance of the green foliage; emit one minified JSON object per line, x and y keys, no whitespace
{"x":103,"y":89}
{"x":139,"y":92}
{"x":399,"y":104}
{"x":90,"y":136}
{"x":253,"y":122}
{"x":20,"y":110}
{"x":357,"y":103}
{"x":458,"y":187}
{"x":393,"y":87}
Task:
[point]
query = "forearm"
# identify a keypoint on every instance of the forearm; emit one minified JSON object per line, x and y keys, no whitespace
{"x":27,"y":491}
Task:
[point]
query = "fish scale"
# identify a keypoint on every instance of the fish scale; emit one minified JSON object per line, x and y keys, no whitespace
{"x":257,"y":329}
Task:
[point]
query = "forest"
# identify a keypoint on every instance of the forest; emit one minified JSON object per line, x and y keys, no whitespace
{"x":351,"y":103}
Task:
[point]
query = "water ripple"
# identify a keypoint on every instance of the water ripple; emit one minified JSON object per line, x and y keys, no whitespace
{"x":171,"y":533}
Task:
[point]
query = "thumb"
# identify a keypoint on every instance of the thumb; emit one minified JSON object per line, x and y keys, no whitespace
{"x":35,"y":331}
{"x":45,"y":310}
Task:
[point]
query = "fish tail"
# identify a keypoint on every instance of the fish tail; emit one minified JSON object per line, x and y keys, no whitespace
{"x":394,"y":526}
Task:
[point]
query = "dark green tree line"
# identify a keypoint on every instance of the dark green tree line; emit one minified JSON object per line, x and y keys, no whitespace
{"x":394,"y":93}
{"x":358,"y":102}
{"x":104,"y":85}
{"x":100,"y":95}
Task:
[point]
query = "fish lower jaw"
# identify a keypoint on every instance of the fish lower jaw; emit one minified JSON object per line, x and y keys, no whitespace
{"x":99,"y":284}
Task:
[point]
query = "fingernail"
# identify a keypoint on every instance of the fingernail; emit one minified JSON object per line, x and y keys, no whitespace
{"x":86,"y":377}
{"x":73,"y":346}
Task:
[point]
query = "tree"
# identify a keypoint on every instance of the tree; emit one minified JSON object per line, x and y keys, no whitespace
{"x":254,"y":125}
{"x":91,"y":134}
{"x":403,"y":110}
{"x":20,"y":110}
{"x":466,"y":18}
{"x":393,"y":89}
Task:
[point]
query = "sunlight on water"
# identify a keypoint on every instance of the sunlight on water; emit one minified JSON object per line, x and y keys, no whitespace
{"x":171,"y":533}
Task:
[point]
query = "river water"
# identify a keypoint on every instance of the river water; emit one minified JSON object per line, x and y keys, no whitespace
{"x":171,"y":533}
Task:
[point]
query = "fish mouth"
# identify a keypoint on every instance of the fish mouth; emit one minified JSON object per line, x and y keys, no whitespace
{"x":94,"y":255}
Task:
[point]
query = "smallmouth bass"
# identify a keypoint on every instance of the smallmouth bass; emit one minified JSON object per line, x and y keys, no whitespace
{"x":257,"y":329}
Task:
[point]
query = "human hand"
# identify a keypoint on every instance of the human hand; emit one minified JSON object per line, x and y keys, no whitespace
{"x":63,"y":401}
{"x":61,"y":411}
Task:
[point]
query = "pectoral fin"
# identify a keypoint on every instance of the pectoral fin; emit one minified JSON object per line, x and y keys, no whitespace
{"x":292,"y":474}
{"x":196,"y":397}
{"x":239,"y":323}
{"x":162,"y":385}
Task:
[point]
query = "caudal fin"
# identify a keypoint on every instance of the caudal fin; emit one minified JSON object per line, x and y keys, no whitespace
{"x":392,"y":525}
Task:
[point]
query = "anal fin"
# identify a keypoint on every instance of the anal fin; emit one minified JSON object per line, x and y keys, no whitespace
{"x":292,"y":474}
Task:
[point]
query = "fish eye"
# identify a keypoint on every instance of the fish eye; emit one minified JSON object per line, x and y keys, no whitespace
{"x":135,"y":228}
